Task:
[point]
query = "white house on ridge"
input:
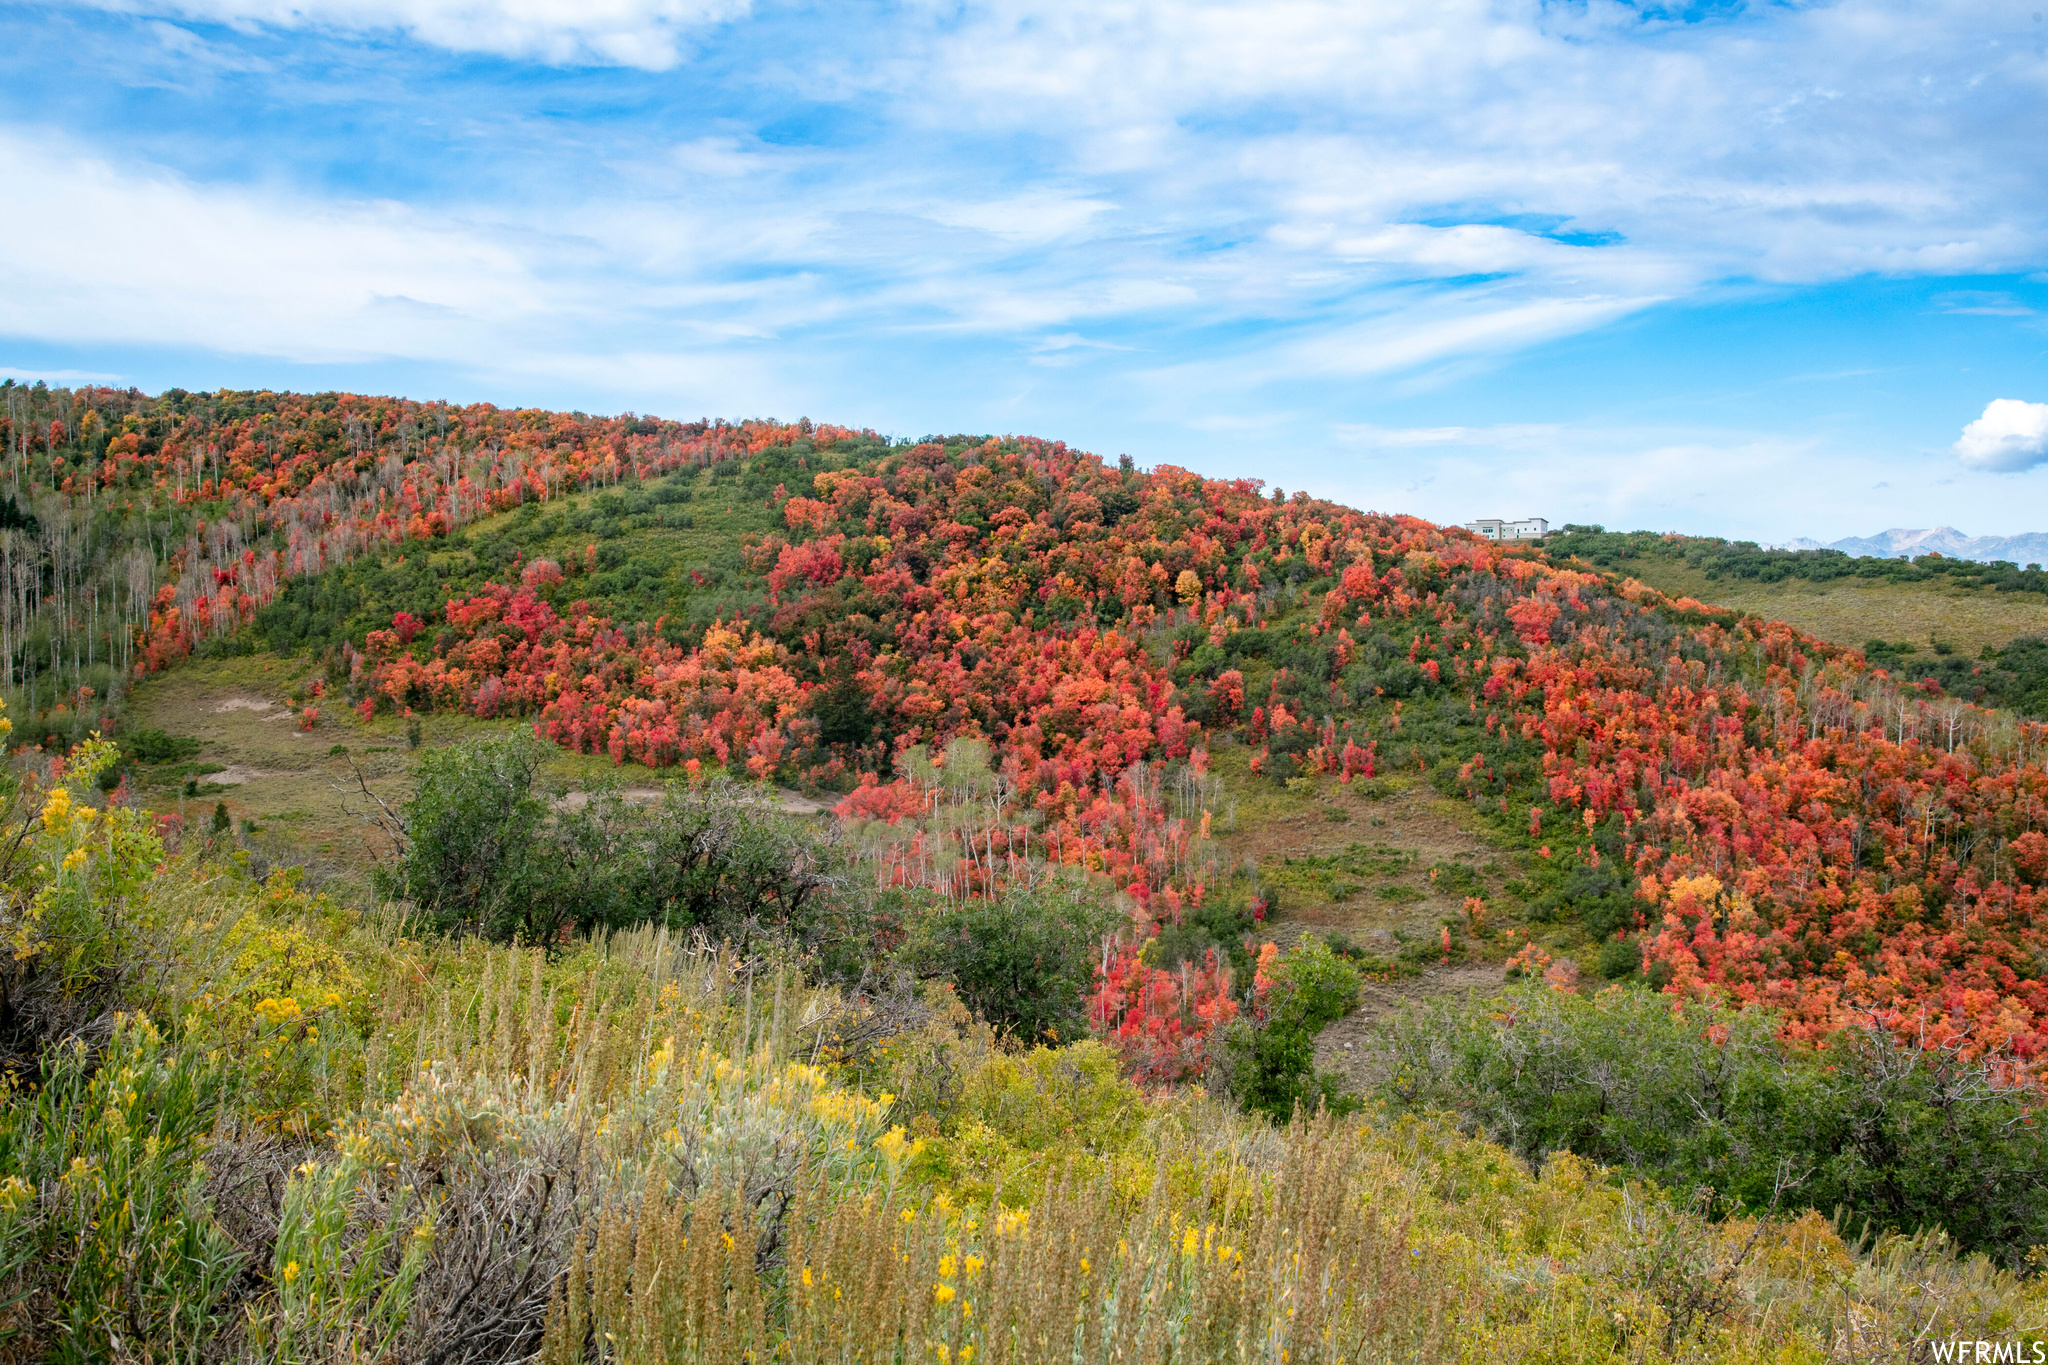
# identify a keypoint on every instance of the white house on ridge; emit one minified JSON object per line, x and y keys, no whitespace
{"x":1528,"y":528}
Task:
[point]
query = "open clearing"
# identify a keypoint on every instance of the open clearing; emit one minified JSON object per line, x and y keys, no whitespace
{"x":306,"y":801}
{"x":1357,"y":859}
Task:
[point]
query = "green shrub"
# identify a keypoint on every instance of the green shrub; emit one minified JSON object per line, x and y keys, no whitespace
{"x":1898,"y":1136}
{"x":490,"y":849}
{"x":478,"y":852}
{"x":718,"y":858}
{"x":1619,"y":957}
{"x":1023,"y":960}
{"x":1268,"y":1062}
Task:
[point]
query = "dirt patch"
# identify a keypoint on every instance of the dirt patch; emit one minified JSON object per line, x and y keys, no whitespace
{"x":796,"y":803}
{"x":1411,"y":817}
{"x":265,"y":710}
{"x":235,"y":774}
{"x":784,"y":800}
{"x":1343,"y":1047}
{"x":634,"y":796}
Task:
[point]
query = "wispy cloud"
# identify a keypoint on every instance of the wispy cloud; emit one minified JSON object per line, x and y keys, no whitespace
{"x":634,"y":33}
{"x":1982,"y":303}
{"x":1190,"y":218}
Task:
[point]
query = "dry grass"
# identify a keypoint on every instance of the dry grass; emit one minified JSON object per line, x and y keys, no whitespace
{"x":304,"y":800}
{"x":626,"y":1152}
{"x":1852,"y":611}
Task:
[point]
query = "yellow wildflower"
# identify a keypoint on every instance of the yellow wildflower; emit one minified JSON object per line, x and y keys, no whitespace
{"x":943,"y":1293}
{"x":291,"y":1271}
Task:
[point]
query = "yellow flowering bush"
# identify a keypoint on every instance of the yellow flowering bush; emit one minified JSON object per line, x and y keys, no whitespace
{"x":72,"y":873}
{"x":105,"y":1185}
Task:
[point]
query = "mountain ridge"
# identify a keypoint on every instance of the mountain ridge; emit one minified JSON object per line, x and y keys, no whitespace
{"x":2026,"y":547}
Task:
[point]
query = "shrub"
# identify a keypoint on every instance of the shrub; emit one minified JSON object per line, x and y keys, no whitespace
{"x":1620,"y":957}
{"x":1900,"y":1136}
{"x":489,"y":849}
{"x":1268,"y":1061}
{"x":1022,"y":960}
{"x":477,"y":854}
{"x":154,"y":746}
{"x":717,"y":858}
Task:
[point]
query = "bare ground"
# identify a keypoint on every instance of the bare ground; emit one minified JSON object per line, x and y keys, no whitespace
{"x":1283,"y":833}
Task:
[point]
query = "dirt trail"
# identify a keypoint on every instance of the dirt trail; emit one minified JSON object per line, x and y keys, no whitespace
{"x":784,"y":800}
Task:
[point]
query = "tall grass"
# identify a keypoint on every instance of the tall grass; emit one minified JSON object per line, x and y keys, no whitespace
{"x":338,"y":1143}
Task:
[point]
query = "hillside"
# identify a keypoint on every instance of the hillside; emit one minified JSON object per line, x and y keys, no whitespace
{"x":1115,"y":752}
{"x":802,"y":603}
{"x":1973,"y":627}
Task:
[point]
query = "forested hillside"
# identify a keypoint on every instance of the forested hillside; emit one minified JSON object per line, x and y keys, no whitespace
{"x":1791,"y":824}
{"x":1036,"y":689}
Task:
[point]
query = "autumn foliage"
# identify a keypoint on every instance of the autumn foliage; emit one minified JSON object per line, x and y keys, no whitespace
{"x":1792,"y":827}
{"x":1801,"y":832}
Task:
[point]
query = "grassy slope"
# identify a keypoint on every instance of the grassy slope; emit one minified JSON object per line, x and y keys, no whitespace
{"x":1353,"y":859}
{"x":1853,"y":611}
{"x":305,"y":800}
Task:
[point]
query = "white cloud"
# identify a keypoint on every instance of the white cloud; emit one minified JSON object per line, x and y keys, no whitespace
{"x":640,"y":33}
{"x":1800,"y":143}
{"x":2011,"y":435}
{"x":1982,"y":302}
{"x":1409,"y":341}
{"x":1227,"y":216}
{"x":121,"y":254}
{"x":29,"y":374}
{"x":1701,"y":480}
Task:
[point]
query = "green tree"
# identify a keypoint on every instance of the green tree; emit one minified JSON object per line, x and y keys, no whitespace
{"x":720,"y":858}
{"x":482,"y":848}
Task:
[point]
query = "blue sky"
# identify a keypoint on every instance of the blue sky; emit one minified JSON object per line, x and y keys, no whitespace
{"x":1748,"y":269}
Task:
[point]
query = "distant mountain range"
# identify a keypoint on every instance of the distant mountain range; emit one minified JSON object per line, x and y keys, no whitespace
{"x":2028,"y":548}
